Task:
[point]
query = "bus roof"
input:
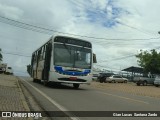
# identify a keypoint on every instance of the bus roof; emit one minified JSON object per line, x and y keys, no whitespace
{"x":54,"y":36}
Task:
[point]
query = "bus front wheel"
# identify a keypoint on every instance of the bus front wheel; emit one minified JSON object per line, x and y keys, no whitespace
{"x":76,"y":86}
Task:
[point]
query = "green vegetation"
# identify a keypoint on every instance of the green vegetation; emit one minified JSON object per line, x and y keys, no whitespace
{"x":149,"y":60}
{"x":1,"y":57}
{"x":29,"y":69}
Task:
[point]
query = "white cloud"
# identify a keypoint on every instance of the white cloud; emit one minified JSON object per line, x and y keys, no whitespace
{"x":100,"y":4}
{"x":73,"y":17}
{"x":10,"y":11}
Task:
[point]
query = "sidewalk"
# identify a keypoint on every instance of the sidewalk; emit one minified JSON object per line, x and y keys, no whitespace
{"x":11,"y":96}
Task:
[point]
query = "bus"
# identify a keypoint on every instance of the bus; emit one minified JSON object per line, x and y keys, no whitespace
{"x":63,"y":59}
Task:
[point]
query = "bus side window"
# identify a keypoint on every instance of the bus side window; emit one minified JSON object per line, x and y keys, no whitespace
{"x":44,"y":52}
{"x":34,"y":61}
{"x":34,"y":58}
{"x":39,"y":55}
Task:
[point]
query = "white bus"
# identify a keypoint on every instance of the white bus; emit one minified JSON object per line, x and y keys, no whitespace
{"x":63,"y":60}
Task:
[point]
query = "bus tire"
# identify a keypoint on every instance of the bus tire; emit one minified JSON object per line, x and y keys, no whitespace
{"x":34,"y":80}
{"x":76,"y":86}
{"x":39,"y":81}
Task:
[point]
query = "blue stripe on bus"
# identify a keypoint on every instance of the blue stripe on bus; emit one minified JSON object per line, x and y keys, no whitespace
{"x":60,"y":70}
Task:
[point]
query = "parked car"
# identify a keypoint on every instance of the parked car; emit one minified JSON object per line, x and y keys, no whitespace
{"x":9,"y":71}
{"x":144,"y":80}
{"x":3,"y":67}
{"x":116,"y":78}
{"x":94,"y":77}
{"x":2,"y":70}
{"x":157,"y":81}
{"x":102,"y":77}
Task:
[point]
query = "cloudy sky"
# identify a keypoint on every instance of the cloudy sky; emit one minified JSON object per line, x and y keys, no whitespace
{"x":118,"y":29}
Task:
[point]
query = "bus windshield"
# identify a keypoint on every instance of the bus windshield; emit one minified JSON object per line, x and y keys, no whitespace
{"x":72,"y":56}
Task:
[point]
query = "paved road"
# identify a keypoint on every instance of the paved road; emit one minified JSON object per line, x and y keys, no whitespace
{"x":87,"y":98}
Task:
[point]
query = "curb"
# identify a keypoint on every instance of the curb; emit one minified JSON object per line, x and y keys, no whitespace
{"x":22,"y":96}
{"x":26,"y":107}
{"x":32,"y":101}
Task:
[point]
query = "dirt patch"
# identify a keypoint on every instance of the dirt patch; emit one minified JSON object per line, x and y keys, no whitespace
{"x":130,"y":87}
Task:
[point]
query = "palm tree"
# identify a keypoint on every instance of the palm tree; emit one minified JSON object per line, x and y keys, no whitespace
{"x":1,"y":55}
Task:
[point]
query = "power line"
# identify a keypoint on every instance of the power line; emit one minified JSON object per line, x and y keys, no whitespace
{"x":15,"y":54}
{"x":26,"y":26}
{"x":50,"y":31}
{"x":133,"y":27}
{"x":22,"y":25}
{"x":106,"y":66}
{"x":125,"y":57}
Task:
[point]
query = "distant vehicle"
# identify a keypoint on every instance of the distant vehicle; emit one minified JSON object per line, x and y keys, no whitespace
{"x":9,"y":71}
{"x":94,"y":77}
{"x":144,"y":80}
{"x":63,"y":60}
{"x":102,"y":77}
{"x":116,"y":78}
{"x":3,"y":67}
{"x":157,"y":81}
{"x":2,"y":70}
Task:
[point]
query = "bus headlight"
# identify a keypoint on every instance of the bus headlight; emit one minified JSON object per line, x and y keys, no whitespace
{"x":88,"y":74}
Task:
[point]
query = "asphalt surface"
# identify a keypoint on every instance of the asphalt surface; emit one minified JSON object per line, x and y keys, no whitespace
{"x":87,"y":98}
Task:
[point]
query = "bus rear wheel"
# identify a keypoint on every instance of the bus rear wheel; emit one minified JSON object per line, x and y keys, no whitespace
{"x":76,"y":86}
{"x":35,"y":80}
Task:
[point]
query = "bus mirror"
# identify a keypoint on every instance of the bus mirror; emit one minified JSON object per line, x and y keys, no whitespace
{"x":94,"y":58}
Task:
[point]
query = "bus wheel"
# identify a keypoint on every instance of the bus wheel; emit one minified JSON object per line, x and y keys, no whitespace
{"x":75,"y":85}
{"x":39,"y":81}
{"x":34,"y":80}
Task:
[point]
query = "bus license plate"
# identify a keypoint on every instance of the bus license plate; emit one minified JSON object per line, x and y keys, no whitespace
{"x":73,"y":78}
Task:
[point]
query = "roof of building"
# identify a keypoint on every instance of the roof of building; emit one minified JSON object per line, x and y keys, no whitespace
{"x":134,"y":69}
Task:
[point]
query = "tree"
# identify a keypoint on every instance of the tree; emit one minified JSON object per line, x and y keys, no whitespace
{"x":1,"y":57}
{"x":149,"y":60}
{"x":29,"y":69}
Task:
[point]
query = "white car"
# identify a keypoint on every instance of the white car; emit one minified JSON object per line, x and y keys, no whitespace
{"x":157,"y":81}
{"x":9,"y":71}
{"x":116,"y":78}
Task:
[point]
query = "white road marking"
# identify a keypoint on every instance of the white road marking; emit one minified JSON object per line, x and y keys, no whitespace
{"x":140,"y":101}
{"x":53,"y":102}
